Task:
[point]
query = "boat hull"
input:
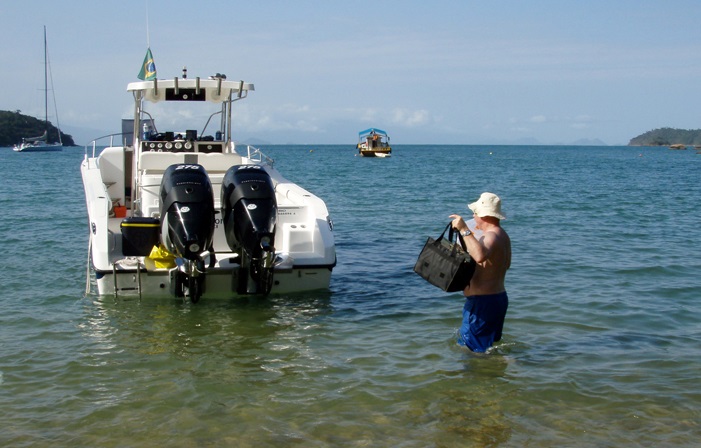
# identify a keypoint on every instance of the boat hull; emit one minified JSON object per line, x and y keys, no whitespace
{"x":219,"y":283}
{"x":376,"y":153}
{"x":38,"y":148}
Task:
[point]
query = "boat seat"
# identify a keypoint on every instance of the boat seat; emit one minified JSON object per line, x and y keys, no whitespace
{"x":111,"y":164}
{"x":218,"y":162}
{"x":158,"y":162}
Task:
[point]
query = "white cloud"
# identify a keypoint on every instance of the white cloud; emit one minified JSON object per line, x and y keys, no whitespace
{"x":409,"y":118}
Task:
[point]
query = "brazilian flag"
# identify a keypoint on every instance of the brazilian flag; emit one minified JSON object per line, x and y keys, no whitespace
{"x":148,"y":68}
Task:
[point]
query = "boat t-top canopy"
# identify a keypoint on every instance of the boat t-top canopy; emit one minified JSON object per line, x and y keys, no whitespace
{"x":372,"y":131}
{"x":216,"y":90}
{"x":186,"y":92}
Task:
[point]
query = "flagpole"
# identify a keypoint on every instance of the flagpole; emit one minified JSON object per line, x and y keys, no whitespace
{"x":148,"y":67}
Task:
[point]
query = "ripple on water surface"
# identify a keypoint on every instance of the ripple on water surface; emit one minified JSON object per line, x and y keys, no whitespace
{"x":599,"y":347}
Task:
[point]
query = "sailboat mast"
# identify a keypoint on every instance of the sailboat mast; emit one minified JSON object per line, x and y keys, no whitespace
{"x":46,"y":87}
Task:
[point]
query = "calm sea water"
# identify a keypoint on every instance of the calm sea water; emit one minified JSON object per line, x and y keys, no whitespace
{"x":601,"y":342}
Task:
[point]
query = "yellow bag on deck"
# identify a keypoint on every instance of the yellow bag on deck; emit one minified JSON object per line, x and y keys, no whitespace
{"x":162,"y":259}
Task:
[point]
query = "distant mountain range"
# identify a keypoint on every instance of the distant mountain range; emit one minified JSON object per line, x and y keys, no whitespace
{"x":589,"y":142}
{"x":536,"y":142}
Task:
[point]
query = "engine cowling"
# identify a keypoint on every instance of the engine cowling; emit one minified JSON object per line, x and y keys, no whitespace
{"x":187,"y":210}
{"x":249,"y":211}
{"x":187,"y":229}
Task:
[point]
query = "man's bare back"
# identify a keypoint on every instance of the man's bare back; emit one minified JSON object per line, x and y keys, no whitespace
{"x":490,"y":272}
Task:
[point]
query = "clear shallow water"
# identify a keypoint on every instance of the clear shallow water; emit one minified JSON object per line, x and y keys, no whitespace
{"x":601,"y":342}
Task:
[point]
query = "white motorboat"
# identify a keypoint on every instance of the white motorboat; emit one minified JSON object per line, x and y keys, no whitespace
{"x":184,"y":213}
{"x":42,"y":143}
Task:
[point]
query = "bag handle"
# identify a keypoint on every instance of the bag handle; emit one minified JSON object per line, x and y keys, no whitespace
{"x":451,"y":232}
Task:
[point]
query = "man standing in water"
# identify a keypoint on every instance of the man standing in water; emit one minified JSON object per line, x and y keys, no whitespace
{"x":485,"y":297}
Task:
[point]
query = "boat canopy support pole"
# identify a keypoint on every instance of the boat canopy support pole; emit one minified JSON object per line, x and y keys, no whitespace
{"x":135,"y":179}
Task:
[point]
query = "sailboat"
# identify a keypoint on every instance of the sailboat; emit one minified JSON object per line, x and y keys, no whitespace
{"x":41,"y":143}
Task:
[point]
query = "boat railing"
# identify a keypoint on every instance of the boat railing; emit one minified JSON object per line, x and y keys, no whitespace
{"x":94,"y":144}
{"x":256,"y":155}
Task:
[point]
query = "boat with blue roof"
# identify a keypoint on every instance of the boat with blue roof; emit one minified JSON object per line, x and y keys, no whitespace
{"x":373,"y":142}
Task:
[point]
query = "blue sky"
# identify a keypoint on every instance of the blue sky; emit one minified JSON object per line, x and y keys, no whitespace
{"x":454,"y":72}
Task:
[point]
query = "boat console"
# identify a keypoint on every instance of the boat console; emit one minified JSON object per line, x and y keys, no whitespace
{"x":172,"y":142}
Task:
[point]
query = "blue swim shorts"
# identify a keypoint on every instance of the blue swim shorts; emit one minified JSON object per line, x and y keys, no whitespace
{"x":482,"y":321}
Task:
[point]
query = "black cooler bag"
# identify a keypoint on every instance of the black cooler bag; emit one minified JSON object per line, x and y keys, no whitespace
{"x":139,"y":235}
{"x":445,"y":263}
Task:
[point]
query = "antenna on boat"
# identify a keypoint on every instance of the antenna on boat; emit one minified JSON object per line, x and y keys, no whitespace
{"x":148,"y":36}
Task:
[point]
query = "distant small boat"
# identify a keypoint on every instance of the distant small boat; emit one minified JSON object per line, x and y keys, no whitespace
{"x":677,"y":146}
{"x":373,"y":142}
{"x":41,"y":143}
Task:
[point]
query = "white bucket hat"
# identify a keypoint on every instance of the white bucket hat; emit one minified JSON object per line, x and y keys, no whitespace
{"x":488,"y":204}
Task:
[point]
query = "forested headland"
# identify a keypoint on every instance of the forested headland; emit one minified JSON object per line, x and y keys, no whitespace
{"x":668,"y":137}
{"x":14,"y":126}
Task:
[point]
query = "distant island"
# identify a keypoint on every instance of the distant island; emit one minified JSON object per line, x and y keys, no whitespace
{"x":14,"y":126}
{"x":668,"y":137}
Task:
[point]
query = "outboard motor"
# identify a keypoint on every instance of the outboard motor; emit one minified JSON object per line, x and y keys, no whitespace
{"x":249,"y":211}
{"x":187,"y":216}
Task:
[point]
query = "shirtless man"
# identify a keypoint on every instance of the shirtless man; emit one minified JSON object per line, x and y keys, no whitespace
{"x":485,"y":297}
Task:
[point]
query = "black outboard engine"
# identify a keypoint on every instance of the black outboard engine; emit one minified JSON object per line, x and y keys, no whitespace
{"x":187,"y":216}
{"x":249,"y":211}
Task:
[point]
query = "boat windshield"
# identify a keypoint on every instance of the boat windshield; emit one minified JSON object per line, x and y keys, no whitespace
{"x":178,"y":121}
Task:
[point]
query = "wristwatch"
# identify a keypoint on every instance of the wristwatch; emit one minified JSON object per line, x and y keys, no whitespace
{"x":465,"y":232}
